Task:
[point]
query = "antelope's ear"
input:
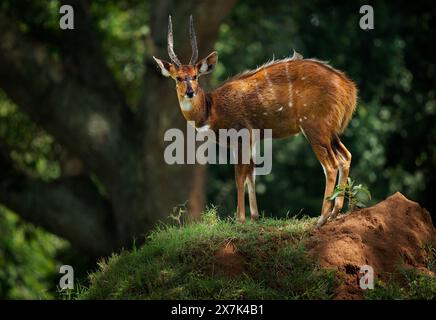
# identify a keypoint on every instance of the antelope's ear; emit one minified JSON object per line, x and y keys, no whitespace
{"x":207,"y":64}
{"x":167,"y":69}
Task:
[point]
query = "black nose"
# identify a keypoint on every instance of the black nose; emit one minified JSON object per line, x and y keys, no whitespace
{"x":190,"y":94}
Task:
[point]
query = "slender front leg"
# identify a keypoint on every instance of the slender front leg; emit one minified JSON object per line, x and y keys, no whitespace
{"x":251,"y":182}
{"x":240,"y":177}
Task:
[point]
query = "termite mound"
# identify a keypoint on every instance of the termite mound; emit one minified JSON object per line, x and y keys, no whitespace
{"x":396,"y":233}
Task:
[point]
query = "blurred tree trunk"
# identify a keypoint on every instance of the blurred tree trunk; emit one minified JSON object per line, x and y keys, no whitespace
{"x":76,"y":99}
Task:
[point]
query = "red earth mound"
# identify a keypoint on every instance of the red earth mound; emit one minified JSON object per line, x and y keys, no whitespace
{"x":394,"y":233}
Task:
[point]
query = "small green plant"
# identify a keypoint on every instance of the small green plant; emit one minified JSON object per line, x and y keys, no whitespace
{"x":431,"y":256}
{"x":356,"y":195}
{"x":414,"y":285}
{"x":70,"y":294}
{"x":180,"y":213}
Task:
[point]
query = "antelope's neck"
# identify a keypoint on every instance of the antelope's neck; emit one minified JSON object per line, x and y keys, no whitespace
{"x":196,"y":109}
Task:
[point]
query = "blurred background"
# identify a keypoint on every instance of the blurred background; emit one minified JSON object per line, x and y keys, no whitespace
{"x":83,"y":112}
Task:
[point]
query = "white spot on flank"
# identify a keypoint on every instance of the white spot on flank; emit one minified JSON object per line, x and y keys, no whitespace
{"x":259,"y":96}
{"x":287,"y":72}
{"x":290,"y":85}
{"x":301,"y":120}
{"x":305,"y":118}
{"x":265,"y":113}
{"x":303,"y":78}
{"x":305,"y":104}
{"x":280,"y":109}
{"x":270,"y":84}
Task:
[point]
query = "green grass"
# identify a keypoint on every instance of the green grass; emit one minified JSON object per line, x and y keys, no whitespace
{"x":408,"y":284}
{"x":411,"y":285}
{"x":179,"y":263}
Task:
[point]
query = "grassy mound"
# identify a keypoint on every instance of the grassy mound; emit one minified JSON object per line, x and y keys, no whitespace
{"x":221,"y":259}
{"x":217,"y":259}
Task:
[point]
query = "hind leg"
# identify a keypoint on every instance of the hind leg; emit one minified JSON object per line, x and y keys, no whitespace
{"x":321,"y":145}
{"x":344,"y":159}
{"x":241,"y":172}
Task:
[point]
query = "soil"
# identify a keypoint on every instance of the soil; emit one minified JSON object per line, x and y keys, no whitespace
{"x":229,"y":262}
{"x":390,"y":235}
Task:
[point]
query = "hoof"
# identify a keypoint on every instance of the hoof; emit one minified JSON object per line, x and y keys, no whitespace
{"x":255,"y":217}
{"x":334,"y":214}
{"x":321,"y":221}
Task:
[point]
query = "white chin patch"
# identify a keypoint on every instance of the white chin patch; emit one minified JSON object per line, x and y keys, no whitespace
{"x":186,"y":105}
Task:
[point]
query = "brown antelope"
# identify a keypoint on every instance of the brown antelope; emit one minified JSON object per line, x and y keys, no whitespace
{"x":289,"y":96}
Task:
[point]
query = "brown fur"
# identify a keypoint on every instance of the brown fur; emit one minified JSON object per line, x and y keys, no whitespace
{"x":288,"y":96}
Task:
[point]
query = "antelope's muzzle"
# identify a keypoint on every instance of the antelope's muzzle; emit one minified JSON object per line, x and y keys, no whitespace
{"x":189,"y":91}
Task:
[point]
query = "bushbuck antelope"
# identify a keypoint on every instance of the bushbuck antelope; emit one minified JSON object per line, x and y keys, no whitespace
{"x":289,"y":96}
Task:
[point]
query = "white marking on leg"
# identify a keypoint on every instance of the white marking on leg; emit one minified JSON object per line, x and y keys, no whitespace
{"x":304,"y":133}
{"x":325,"y":172}
{"x":252,"y":193}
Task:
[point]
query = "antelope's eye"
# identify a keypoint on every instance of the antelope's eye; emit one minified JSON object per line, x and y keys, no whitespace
{"x":194,"y":77}
{"x":179,"y":79}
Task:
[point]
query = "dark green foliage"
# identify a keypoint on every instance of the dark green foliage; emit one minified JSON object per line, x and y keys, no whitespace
{"x":28,"y":266}
{"x":392,"y":135}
